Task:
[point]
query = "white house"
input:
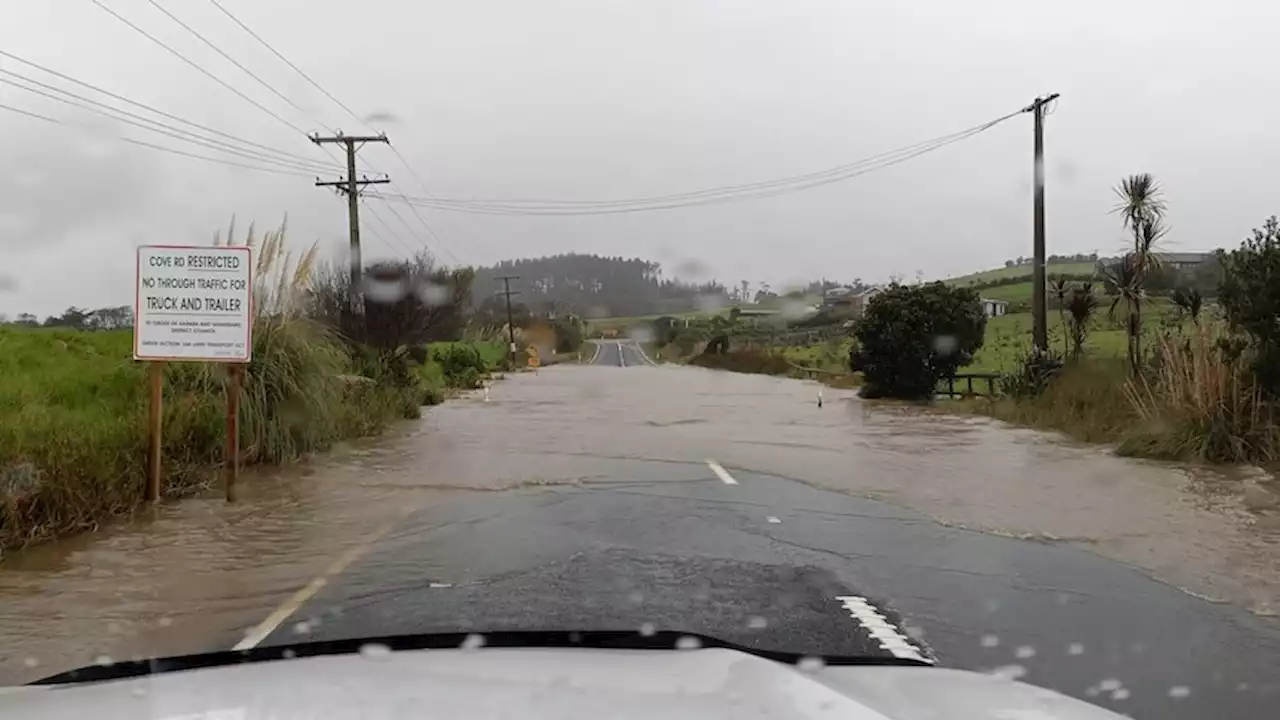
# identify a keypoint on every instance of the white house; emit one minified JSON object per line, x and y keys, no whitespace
{"x":994,"y":308}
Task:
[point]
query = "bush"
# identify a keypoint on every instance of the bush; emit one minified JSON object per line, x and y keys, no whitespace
{"x":1034,"y":372}
{"x":1201,"y":403}
{"x":1250,"y":297}
{"x":462,"y":364}
{"x":912,"y":336}
{"x":744,"y":361}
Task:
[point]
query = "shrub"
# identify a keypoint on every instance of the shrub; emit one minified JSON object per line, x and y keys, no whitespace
{"x":462,"y":364}
{"x":1250,"y":297}
{"x":744,"y":361}
{"x":912,"y":336}
{"x":1201,"y":403}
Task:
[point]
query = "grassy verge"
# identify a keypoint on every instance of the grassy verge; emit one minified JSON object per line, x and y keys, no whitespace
{"x":73,"y":416}
{"x":1191,"y":404}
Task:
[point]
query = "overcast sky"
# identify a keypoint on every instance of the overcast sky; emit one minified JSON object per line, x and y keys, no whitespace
{"x":589,"y":99}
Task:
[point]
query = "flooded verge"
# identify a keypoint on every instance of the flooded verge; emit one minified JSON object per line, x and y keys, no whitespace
{"x":193,"y":575}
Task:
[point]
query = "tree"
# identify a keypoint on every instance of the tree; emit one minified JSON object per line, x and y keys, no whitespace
{"x":1081,"y":306}
{"x":1058,"y":286}
{"x":1141,"y":209}
{"x":1250,"y":298}
{"x":1190,"y":302}
{"x":910,"y":337}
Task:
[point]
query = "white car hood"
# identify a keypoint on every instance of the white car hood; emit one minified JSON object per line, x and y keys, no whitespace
{"x":546,"y":683}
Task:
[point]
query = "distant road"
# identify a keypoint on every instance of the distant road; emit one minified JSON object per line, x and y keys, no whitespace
{"x":621,"y":353}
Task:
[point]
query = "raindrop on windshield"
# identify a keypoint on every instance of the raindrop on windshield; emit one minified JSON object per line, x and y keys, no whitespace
{"x":757,"y":623}
{"x":1120,"y":694}
{"x":103,"y":661}
{"x":636,"y":598}
{"x":432,"y":294}
{"x":166,"y":621}
{"x":31,"y":662}
{"x":648,"y":630}
{"x":1075,"y":649}
{"x":913,"y":632}
{"x":989,"y":641}
{"x":1179,"y":691}
{"x":384,"y":289}
{"x":1025,"y":651}
{"x":301,"y":628}
{"x":688,"y":643}
{"x":641,"y":333}
{"x":376,"y":651}
{"x":1109,"y":685}
{"x":945,"y":344}
{"x":289,"y":654}
{"x":474,"y":641}
{"x":1009,"y":672}
{"x":811,"y":664}
{"x":138,"y":692}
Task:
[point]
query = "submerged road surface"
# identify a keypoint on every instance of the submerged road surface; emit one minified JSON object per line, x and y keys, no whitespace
{"x":628,"y":496}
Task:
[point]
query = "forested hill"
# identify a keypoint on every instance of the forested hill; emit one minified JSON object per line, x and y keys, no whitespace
{"x":594,"y":285}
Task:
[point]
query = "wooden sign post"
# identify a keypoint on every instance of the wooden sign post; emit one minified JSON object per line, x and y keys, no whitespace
{"x":193,"y":304}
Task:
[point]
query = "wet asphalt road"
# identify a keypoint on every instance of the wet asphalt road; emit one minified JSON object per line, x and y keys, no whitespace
{"x":769,"y":561}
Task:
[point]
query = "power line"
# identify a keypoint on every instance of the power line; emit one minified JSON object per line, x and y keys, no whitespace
{"x":161,"y":148}
{"x":197,"y":66}
{"x":426,"y":225}
{"x":221,"y":52}
{"x":285,"y":60}
{"x":144,"y":106}
{"x":707,"y":196}
{"x":162,"y":129}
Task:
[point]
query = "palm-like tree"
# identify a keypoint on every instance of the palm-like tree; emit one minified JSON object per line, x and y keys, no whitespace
{"x":1141,"y":209}
{"x":1191,"y":303}
{"x":1082,"y":305}
{"x":1059,"y":288}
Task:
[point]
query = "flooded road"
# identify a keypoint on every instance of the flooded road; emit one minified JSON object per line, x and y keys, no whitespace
{"x":570,"y":485}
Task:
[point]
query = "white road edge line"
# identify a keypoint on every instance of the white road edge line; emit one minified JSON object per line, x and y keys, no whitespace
{"x":596,"y":356}
{"x":295,"y":602}
{"x":880,"y":629}
{"x":622,"y":359}
{"x":721,"y":473}
{"x":644,"y":356}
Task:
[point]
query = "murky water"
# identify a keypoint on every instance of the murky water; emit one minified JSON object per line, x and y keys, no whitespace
{"x":194,"y":575}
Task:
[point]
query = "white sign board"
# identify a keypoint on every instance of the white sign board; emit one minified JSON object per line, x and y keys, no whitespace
{"x":193,"y":303}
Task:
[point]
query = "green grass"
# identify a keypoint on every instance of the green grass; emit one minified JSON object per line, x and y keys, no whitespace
{"x":73,"y":417}
{"x":493,"y":352}
{"x":1079,"y":268}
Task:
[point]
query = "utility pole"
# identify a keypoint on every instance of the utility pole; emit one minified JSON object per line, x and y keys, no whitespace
{"x":351,"y":186}
{"x":1039,"y":308}
{"x":511,"y":327}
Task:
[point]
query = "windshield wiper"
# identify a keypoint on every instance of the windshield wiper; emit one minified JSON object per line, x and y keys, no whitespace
{"x":600,"y":639}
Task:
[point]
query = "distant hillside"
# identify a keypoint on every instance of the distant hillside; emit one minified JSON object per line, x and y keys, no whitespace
{"x":1006,"y":274}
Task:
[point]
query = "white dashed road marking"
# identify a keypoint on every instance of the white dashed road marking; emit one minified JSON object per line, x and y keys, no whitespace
{"x":622,"y":359}
{"x":880,"y":629}
{"x":721,"y":473}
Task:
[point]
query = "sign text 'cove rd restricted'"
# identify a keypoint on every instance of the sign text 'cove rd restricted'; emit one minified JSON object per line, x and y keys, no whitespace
{"x":193,"y":303}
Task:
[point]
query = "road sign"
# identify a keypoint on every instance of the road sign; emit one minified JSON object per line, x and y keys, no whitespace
{"x":193,"y":303}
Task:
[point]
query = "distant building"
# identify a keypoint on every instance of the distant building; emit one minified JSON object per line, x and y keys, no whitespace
{"x":994,"y":308}
{"x":1176,"y":260}
{"x":848,"y":300}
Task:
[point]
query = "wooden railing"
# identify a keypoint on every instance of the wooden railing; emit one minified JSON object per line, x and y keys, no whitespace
{"x":992,"y":380}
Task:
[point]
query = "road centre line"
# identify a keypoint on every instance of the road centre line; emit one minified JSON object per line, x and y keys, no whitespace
{"x":721,"y":473}
{"x":622,"y":359}
{"x":295,"y":602}
{"x":880,"y":629}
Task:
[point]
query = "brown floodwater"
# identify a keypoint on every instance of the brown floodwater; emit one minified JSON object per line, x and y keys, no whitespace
{"x":191,"y":576}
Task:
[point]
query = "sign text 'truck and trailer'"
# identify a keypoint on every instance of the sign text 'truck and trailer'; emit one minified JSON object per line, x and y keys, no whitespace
{"x":193,"y":303}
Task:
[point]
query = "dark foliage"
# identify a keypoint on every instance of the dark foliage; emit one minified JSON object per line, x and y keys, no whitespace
{"x":912,"y":336}
{"x":1033,"y":373}
{"x":1250,"y":297}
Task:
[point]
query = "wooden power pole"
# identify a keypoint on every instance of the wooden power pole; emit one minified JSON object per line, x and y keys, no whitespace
{"x":1039,"y":290}
{"x":511,"y":327}
{"x":351,"y":186}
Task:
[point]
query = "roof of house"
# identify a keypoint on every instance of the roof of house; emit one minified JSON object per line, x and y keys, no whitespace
{"x":989,"y":300}
{"x":1185,"y":257}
